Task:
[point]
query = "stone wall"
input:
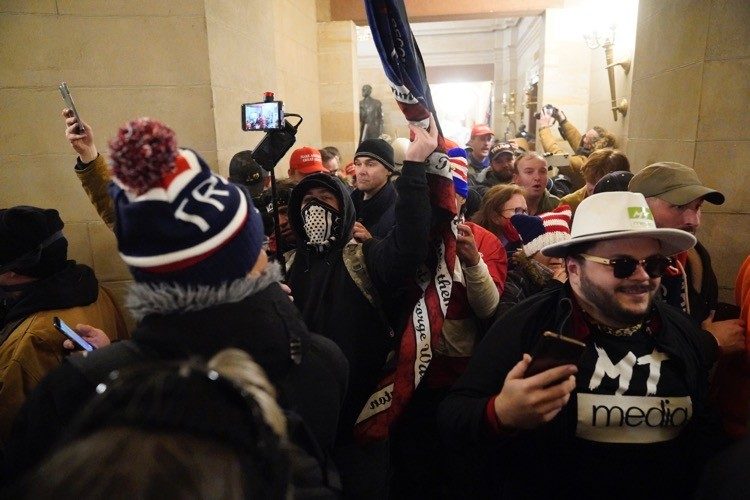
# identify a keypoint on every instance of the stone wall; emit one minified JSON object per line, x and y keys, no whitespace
{"x":189,"y":63}
{"x":690,"y":88}
{"x":339,"y":87}
{"x":625,"y":14}
{"x":566,"y":63}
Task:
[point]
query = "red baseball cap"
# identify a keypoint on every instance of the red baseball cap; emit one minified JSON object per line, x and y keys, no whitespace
{"x":481,"y":129}
{"x":306,"y":160}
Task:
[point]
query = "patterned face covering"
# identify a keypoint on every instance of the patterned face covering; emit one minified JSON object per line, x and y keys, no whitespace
{"x":320,"y":221}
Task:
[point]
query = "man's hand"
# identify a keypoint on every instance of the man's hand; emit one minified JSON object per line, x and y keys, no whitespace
{"x":424,"y":143}
{"x":558,"y":114}
{"x":93,"y":336}
{"x":466,"y":246}
{"x":545,"y":118}
{"x":83,"y":144}
{"x":526,"y":403}
{"x":360,"y":233}
{"x":730,"y":333}
{"x":288,"y":291}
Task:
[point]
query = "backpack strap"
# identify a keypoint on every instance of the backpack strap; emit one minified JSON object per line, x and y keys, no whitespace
{"x":97,"y":364}
{"x":354,"y":261}
{"x":308,"y":448}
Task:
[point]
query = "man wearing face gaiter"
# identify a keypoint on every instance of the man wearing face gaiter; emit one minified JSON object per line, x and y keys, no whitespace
{"x":322,"y":215}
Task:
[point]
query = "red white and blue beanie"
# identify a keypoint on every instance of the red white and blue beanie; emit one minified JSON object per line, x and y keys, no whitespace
{"x":460,"y":172}
{"x":176,"y":220}
{"x":458,"y":153}
{"x":538,"y":231}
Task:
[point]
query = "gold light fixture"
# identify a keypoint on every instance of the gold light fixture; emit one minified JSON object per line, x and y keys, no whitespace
{"x":606,"y":39}
{"x":509,"y":105}
{"x":528,"y":103}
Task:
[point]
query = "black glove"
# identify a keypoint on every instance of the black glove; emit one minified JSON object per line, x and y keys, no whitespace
{"x":557,"y":114}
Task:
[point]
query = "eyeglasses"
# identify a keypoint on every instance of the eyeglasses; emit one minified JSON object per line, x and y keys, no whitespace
{"x":516,"y":211}
{"x":624,"y":267}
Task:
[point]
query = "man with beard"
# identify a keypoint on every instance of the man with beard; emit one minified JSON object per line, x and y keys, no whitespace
{"x":530,"y":172}
{"x":501,"y":167}
{"x":583,"y":145}
{"x":623,"y":415}
{"x":675,"y":196}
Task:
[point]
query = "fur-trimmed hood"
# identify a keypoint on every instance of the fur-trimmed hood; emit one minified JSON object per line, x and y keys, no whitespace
{"x":535,"y":271}
{"x":169,"y":298}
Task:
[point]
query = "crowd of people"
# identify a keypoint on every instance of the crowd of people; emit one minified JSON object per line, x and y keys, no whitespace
{"x":584,"y":351}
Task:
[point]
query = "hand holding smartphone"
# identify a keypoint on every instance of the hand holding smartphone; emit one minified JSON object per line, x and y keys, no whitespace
{"x":71,"y":105}
{"x":554,"y":350}
{"x":66,"y":330}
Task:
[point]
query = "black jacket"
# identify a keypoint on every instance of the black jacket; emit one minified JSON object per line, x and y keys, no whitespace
{"x":378,"y":214}
{"x":262,"y":323}
{"x":73,"y":286}
{"x":551,"y":460}
{"x":332,"y":304}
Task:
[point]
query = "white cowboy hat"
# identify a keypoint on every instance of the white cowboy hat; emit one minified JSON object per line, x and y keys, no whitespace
{"x":613,"y":215}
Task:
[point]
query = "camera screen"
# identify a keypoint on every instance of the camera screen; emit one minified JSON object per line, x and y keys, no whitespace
{"x":262,"y":116}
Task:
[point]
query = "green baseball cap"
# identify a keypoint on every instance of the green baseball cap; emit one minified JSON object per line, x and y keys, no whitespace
{"x":675,"y":183}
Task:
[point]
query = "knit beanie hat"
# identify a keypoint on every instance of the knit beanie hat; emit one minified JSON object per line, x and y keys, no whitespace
{"x":31,"y":241}
{"x":306,"y":160}
{"x":460,"y":176}
{"x":377,"y":149}
{"x":538,"y":231}
{"x":176,"y":220}
{"x":458,"y":153}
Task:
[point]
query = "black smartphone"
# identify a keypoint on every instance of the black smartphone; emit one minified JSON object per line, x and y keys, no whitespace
{"x":71,"y":105}
{"x":63,"y":328}
{"x":263,"y":116}
{"x":554,"y":350}
{"x":462,"y":214}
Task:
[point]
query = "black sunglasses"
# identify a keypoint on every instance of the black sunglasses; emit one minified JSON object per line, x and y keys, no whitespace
{"x":624,"y":267}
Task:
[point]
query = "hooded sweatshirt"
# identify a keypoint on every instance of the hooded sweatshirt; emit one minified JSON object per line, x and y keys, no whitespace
{"x":329,"y":299}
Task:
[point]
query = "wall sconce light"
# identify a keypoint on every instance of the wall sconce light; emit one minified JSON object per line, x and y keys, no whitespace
{"x":528,"y":101}
{"x":606,"y":40}
{"x":509,"y":105}
{"x":509,"y":111}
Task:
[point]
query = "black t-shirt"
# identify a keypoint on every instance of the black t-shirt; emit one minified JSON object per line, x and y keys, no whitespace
{"x":621,"y":433}
{"x":631,"y":404}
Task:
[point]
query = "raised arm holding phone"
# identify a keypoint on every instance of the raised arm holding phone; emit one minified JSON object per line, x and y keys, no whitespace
{"x":91,"y":168}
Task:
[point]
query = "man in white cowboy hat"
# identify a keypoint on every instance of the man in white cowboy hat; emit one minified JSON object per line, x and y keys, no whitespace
{"x":621,"y":416}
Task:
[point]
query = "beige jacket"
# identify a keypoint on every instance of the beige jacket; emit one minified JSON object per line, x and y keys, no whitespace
{"x":94,"y":179}
{"x":573,"y":136}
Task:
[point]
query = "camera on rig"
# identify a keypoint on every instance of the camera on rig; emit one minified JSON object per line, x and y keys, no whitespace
{"x":268,"y":116}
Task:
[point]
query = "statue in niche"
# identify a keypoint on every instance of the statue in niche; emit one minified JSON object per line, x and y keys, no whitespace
{"x":370,"y":115}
